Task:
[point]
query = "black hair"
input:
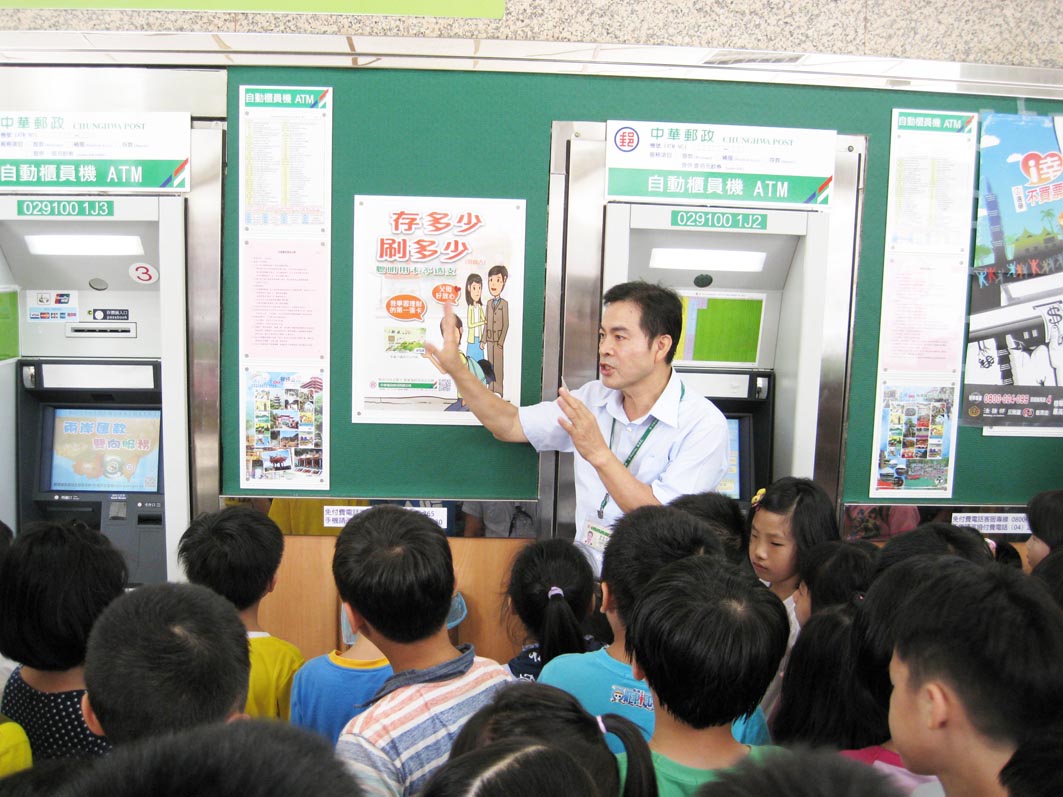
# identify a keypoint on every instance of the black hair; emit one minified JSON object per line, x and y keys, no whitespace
{"x":7,"y":536}
{"x":935,"y":539}
{"x":976,"y":628}
{"x":709,"y":639}
{"x":235,"y":551}
{"x":1049,"y":571}
{"x":660,"y":310}
{"x":551,"y":586}
{"x":821,"y":704}
{"x":1007,"y":554}
{"x":549,"y":714}
{"x":499,"y":269}
{"x":645,"y":540}
{"x":512,"y":768}
{"x":801,"y":773}
{"x":394,"y":567}
{"x":723,"y":513}
{"x":1045,"y":515}
{"x":872,"y":632}
{"x":812,"y":516}
{"x":468,"y":282}
{"x":835,"y":572}
{"x":47,"y":777}
{"x":252,"y":758}
{"x":55,"y":579}
{"x":163,"y":658}
{"x":1033,"y":769}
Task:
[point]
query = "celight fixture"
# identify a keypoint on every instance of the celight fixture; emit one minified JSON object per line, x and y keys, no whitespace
{"x":90,"y":245}
{"x":706,"y":260}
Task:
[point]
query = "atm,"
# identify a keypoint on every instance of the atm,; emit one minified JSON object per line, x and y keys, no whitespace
{"x":767,"y":293}
{"x":101,"y":382}
{"x":90,"y":435}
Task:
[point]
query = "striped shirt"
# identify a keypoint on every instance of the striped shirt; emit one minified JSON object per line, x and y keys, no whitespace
{"x":395,"y":746}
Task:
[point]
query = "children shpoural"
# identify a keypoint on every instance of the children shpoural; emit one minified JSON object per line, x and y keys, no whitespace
{"x":513,"y":767}
{"x":55,"y":580}
{"x":163,"y":658}
{"x":789,"y":517}
{"x":550,"y":715}
{"x":872,"y":646}
{"x":516,"y":767}
{"x":250,"y":758}
{"x":708,"y":639}
{"x":550,"y":589}
{"x":976,"y":675}
{"x":1045,"y":514}
{"x":236,"y":553}
{"x":726,"y":516}
{"x":820,"y":704}
{"x":331,"y":689}
{"x":801,"y":773}
{"x":832,"y":573}
{"x":643,"y":541}
{"x":395,"y":575}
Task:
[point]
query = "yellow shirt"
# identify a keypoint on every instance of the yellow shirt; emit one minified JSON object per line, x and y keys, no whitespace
{"x":274,"y":663}
{"x":306,"y":516}
{"x":15,"y":752}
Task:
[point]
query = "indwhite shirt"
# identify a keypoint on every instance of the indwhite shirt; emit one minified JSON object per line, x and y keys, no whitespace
{"x":687,"y":452}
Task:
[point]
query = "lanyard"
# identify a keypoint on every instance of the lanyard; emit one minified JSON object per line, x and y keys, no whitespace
{"x":635,"y":450}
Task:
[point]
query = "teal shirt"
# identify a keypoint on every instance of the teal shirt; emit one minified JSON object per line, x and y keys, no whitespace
{"x":676,"y":780}
{"x":604,"y":685}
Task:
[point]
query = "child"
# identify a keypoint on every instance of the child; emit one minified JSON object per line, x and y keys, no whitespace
{"x":55,"y":580}
{"x":550,"y":715}
{"x":15,"y":753}
{"x":1045,"y":515}
{"x":550,"y":588}
{"x":236,"y":552}
{"x":832,"y":573}
{"x":800,"y":773}
{"x":708,"y":640}
{"x":1049,"y":571}
{"x":959,"y":638}
{"x":934,"y":539}
{"x":724,"y":513}
{"x":513,"y":768}
{"x":819,"y":704}
{"x":790,"y":516}
{"x":395,"y":576}
{"x":872,"y":640}
{"x":163,"y":658}
{"x":643,"y":541}
{"x":1034,"y":770}
{"x":329,"y":690}
{"x":249,"y":758}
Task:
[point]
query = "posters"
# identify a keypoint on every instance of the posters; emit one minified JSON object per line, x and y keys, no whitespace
{"x":722,"y":164}
{"x":413,"y":256}
{"x":285,"y":284}
{"x":925,"y":268}
{"x":285,"y":429}
{"x":1014,"y":362}
{"x":915,"y":435}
